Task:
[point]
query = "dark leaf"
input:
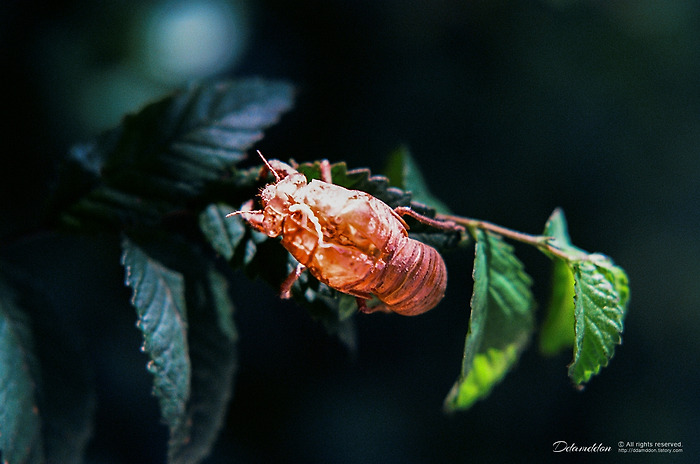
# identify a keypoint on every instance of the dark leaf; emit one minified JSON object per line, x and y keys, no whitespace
{"x":196,"y":383}
{"x":405,"y":174}
{"x":168,"y":153}
{"x":159,"y":299}
{"x":212,"y":340}
{"x":65,"y":390}
{"x":198,"y":134}
{"x":67,"y":395}
{"x":20,"y":423}
{"x":224,"y":234}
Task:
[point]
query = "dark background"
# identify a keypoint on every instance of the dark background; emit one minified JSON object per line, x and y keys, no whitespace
{"x":510,"y":108}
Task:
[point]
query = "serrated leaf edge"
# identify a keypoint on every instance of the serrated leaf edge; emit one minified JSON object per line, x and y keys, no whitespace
{"x":174,"y":417}
{"x":587,"y":326}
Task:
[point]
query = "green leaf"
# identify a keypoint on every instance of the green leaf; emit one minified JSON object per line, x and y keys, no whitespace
{"x":601,"y":299}
{"x":404,"y":173}
{"x":159,"y":299}
{"x":557,"y":330}
{"x":20,"y":425}
{"x":161,"y":158}
{"x":212,"y":340}
{"x":617,"y":276}
{"x":557,"y":228}
{"x":224,"y":234}
{"x":600,"y":292}
{"x":500,"y":324}
{"x":558,"y":231}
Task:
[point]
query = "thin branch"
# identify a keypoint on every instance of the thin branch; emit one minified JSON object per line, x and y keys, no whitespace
{"x":542,"y":242}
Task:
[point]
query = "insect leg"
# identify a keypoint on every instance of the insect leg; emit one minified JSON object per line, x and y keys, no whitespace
{"x":286,"y":287}
{"x":444,"y":225}
{"x":362,"y":305}
{"x":363,"y":308}
{"x":309,"y":214}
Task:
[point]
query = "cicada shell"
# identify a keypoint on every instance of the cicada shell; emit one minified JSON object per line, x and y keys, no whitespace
{"x":350,"y":241}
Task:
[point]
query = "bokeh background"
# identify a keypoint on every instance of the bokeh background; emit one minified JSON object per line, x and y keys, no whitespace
{"x":510,"y":108}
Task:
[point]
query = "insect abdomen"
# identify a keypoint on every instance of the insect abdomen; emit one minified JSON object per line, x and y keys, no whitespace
{"x":414,"y":279}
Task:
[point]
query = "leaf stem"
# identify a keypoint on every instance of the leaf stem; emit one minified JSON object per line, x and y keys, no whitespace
{"x":541,"y":242}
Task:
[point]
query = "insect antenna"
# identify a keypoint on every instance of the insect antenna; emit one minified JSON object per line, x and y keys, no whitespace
{"x":246,"y":207}
{"x":270,"y":168}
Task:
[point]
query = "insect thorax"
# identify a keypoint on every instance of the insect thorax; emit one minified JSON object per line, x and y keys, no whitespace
{"x":357,"y":233}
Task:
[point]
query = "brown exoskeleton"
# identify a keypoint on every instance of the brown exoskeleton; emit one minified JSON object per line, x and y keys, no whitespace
{"x":350,"y":241}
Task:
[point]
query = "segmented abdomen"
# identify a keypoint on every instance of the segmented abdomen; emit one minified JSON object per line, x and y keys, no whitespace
{"x":414,"y":279}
